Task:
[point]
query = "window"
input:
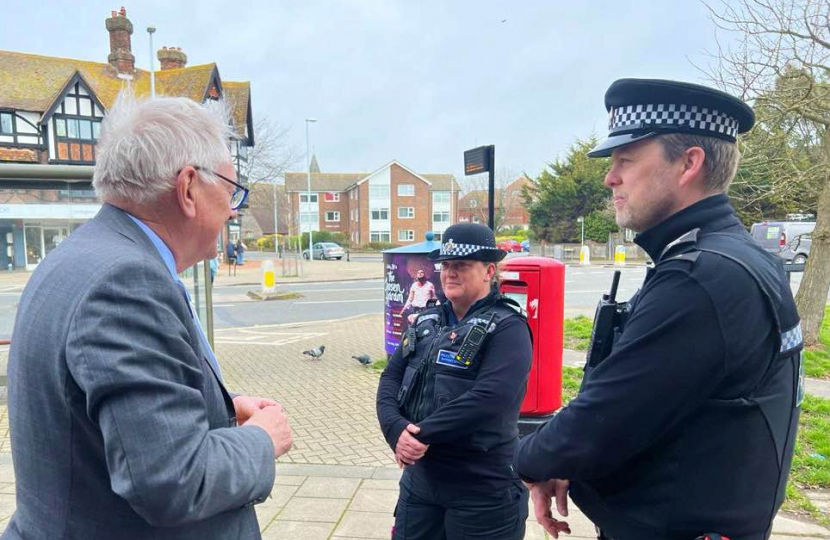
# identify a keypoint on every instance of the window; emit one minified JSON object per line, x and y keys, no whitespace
{"x":353,"y":194}
{"x":331,"y":197}
{"x":6,"y":124}
{"x":380,"y":213}
{"x":308,"y":217}
{"x":441,"y":216}
{"x":406,"y":212}
{"x":379,"y":236}
{"x":378,"y":192}
{"x":473,"y":203}
{"x":304,"y":197}
{"x":437,"y":236}
{"x":332,"y":216}
{"x":406,"y":235}
{"x":464,"y":219}
{"x":441,"y":197}
{"x":406,"y":190}
{"x":476,"y":220}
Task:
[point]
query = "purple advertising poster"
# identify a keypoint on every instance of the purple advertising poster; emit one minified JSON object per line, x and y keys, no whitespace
{"x":412,"y":283}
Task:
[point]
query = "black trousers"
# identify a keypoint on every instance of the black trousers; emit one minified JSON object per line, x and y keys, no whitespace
{"x":429,"y":511}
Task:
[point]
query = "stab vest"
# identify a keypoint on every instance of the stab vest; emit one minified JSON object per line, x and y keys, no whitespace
{"x":435,"y":376}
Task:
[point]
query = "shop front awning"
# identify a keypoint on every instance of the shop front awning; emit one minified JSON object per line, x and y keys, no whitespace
{"x":38,"y":176}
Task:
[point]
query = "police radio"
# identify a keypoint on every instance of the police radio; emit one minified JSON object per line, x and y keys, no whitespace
{"x":472,"y":343}
{"x":609,"y":321}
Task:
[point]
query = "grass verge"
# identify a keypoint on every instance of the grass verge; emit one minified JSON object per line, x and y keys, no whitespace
{"x":577,"y":335}
{"x":817,"y":358}
{"x":811,"y":462}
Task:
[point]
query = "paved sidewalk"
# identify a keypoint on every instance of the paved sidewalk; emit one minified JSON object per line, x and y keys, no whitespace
{"x":339,"y":481}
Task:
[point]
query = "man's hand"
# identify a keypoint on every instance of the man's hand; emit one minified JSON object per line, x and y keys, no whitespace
{"x":408,"y":449}
{"x":246,"y":406}
{"x":275,"y":423}
{"x":542,"y":494}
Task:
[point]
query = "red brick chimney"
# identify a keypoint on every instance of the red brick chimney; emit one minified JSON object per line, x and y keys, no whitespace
{"x":172,"y":58}
{"x":120,"y":28}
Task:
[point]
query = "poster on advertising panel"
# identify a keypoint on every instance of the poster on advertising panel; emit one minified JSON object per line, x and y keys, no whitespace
{"x":411,"y":284}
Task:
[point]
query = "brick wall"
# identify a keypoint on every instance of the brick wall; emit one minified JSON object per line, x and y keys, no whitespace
{"x":27,"y":155}
{"x":422,"y":202}
{"x":354,"y":226}
{"x":341,"y":206}
{"x":363,"y":204}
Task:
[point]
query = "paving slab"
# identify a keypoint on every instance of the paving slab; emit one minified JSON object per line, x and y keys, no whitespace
{"x":297,"y":530}
{"x":284,"y":480}
{"x":365,"y":525}
{"x":313,"y":509}
{"x":374,"y":500}
{"x":786,"y":526}
{"x":280,"y":495}
{"x":372,"y":483}
{"x":329,"y":487}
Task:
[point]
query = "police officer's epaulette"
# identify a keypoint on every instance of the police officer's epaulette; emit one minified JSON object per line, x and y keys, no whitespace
{"x":683,"y":248}
{"x":424,"y":317}
{"x":429,"y":314}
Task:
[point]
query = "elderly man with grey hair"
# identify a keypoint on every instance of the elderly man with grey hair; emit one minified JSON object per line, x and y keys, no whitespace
{"x":120,"y":420}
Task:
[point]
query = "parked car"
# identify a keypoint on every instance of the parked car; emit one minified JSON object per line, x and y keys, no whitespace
{"x":326,"y":250}
{"x":510,"y":246}
{"x":790,"y":240}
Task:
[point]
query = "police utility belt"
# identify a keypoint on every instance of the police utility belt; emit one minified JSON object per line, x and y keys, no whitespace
{"x":430,"y":344}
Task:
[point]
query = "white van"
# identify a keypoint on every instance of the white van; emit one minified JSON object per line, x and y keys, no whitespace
{"x":790,"y":240}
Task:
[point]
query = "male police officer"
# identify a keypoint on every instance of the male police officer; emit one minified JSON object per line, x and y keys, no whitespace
{"x":688,"y":426}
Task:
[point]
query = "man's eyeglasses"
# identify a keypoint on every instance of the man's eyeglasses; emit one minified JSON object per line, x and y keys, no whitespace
{"x":239,"y":195}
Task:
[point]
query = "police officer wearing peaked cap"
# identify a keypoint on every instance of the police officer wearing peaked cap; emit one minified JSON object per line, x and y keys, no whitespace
{"x":448,"y":402}
{"x":687,"y":426}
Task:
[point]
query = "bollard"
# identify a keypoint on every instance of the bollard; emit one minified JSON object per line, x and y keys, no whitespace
{"x":268,"y":277}
{"x":585,"y":256}
{"x":619,"y":256}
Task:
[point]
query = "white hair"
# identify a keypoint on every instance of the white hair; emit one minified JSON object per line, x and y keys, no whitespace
{"x":144,"y":143}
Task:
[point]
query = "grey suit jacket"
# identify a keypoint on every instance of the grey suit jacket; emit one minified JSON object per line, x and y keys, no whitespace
{"x":119,"y":427}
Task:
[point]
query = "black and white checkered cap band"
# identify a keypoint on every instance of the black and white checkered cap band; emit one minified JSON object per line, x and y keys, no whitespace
{"x":461,"y":250}
{"x":791,"y":339}
{"x":631,"y":117}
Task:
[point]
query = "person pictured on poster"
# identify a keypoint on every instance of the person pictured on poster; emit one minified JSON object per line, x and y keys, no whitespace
{"x":420,"y":293}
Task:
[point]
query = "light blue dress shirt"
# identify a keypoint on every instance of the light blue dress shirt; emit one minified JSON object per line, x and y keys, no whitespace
{"x":170,"y":262}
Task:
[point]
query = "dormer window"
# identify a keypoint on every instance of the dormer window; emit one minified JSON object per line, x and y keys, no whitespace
{"x":6,"y":123}
{"x":77,"y":127}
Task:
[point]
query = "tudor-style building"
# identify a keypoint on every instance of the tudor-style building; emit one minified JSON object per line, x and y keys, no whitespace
{"x":393,"y":204}
{"x":50,"y":114}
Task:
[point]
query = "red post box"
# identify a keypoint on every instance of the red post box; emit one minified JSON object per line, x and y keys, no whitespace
{"x":538,"y":284}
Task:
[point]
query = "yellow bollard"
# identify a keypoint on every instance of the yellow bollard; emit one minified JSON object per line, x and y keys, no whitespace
{"x":585,"y":256}
{"x":268,"y":277}
{"x":619,"y":256}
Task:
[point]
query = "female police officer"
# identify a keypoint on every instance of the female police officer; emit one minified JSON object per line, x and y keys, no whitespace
{"x":448,"y":402}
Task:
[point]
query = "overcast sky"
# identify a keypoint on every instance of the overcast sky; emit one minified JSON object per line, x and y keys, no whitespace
{"x":418,"y":81}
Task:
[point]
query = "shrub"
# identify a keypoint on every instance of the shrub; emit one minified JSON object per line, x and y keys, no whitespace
{"x":380,"y":246}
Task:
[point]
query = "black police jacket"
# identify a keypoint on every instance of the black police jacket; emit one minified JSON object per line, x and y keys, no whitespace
{"x":688,"y":426}
{"x":468,"y":414}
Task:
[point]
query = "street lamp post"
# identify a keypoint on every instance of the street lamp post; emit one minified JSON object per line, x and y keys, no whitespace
{"x":582,"y":221}
{"x":151,"y":30}
{"x":276,"y":226}
{"x":308,"y":187}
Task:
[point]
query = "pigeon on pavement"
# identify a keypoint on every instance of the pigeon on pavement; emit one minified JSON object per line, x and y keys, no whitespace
{"x":364,"y":359}
{"x":316,"y":353}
